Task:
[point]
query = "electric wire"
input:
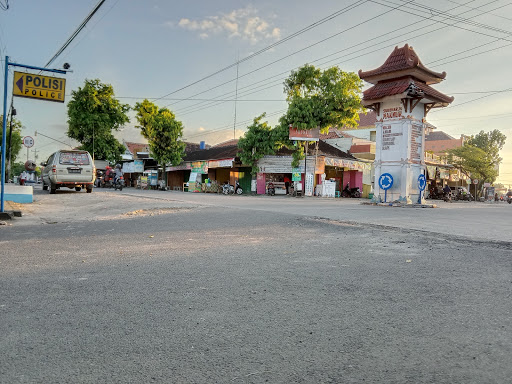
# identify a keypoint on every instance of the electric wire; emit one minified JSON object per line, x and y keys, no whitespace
{"x":311,"y":26}
{"x":89,"y":29}
{"x":75,"y":34}
{"x":337,"y":34}
{"x":376,"y":44}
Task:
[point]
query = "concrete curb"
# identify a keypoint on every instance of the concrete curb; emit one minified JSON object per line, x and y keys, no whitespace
{"x":401,"y":205}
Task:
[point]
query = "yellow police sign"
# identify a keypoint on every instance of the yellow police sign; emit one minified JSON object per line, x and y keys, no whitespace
{"x":39,"y":87}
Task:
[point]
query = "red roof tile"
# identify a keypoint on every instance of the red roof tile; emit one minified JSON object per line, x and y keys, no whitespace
{"x":226,"y":143}
{"x":396,"y":87}
{"x":367,"y":120}
{"x":402,"y":61}
{"x":136,"y":147}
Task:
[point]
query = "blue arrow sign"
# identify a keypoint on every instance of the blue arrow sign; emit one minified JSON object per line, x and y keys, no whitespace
{"x":385,"y":181}
{"x":422,"y":182}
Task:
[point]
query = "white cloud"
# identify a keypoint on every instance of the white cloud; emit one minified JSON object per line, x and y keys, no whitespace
{"x":241,"y":23}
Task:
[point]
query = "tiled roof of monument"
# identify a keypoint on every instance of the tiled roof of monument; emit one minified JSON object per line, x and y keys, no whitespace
{"x":402,"y":61}
{"x":398,"y":86}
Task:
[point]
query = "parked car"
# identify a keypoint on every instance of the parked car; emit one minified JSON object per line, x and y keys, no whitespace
{"x":68,"y":168}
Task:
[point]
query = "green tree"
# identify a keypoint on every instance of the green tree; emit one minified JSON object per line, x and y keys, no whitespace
{"x":322,"y":99}
{"x":93,"y":114}
{"x":479,"y":157}
{"x":491,"y":143}
{"x":316,"y":99}
{"x":14,"y":142}
{"x":163,"y":132}
{"x":257,"y":142}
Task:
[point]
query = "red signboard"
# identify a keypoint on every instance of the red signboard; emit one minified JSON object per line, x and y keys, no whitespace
{"x":304,"y":134}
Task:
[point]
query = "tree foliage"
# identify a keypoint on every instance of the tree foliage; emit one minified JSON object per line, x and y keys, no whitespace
{"x":491,"y":143}
{"x":316,"y":99}
{"x":257,"y":142}
{"x":474,"y":162}
{"x":93,"y":114}
{"x":163,"y":132}
{"x":16,"y":139}
{"x":479,"y":157}
{"x":322,"y":99}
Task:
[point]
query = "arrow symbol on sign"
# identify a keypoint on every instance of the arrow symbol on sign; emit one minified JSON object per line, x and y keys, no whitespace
{"x":383,"y":178}
{"x":19,"y":83}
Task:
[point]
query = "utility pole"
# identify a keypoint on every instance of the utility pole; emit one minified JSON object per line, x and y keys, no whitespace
{"x":35,"y":154}
{"x":236,"y":95}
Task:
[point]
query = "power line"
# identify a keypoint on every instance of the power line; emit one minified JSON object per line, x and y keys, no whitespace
{"x":311,"y":26}
{"x":318,"y":42}
{"x":75,"y":34}
{"x":354,"y":46}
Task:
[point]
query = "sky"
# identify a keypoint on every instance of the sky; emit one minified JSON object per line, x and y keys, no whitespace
{"x":183,"y":55}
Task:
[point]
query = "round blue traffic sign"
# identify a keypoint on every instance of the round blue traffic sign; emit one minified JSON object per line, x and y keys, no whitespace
{"x":422,"y":182}
{"x":385,"y":181}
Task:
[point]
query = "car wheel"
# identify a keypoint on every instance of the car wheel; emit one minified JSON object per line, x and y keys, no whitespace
{"x":45,"y":187}
{"x":89,"y":189}
{"x":53,"y":189}
{"x":78,"y":189}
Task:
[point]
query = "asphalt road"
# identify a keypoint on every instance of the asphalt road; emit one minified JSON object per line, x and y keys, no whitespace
{"x":140,"y":287}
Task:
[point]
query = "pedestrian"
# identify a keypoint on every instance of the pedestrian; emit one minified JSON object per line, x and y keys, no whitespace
{"x":287,"y":184}
{"x":23,"y":177}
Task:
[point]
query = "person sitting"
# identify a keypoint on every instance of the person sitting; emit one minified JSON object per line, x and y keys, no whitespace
{"x":447,"y":190}
{"x":118,"y":172}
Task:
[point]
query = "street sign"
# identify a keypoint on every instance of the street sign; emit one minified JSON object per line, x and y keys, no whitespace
{"x":475,"y":181}
{"x":303,"y":134}
{"x":385,"y":181}
{"x":28,"y":141}
{"x":422,"y":182}
{"x":39,"y":87}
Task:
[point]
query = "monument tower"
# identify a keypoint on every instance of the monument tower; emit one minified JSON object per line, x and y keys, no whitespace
{"x":401,"y":97}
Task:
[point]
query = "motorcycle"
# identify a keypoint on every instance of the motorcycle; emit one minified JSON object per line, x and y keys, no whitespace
{"x":118,"y":183}
{"x":230,"y":189}
{"x":351,"y":192}
{"x":238,"y":188}
{"x":271,"y":190}
{"x":447,"y":196}
{"x":509,"y":199}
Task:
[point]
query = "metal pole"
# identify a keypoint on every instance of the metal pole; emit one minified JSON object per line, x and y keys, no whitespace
{"x":305,"y":169}
{"x":4,"y":134}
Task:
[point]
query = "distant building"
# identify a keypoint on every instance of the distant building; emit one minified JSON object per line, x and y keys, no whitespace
{"x":439,"y":142}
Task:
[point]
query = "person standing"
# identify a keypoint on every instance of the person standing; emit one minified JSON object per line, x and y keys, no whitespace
{"x":287,"y":184}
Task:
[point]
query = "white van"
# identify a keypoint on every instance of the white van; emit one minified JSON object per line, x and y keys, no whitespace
{"x":68,"y":168}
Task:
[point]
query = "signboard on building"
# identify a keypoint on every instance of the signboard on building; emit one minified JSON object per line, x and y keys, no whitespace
{"x":138,"y":166}
{"x":416,"y":147}
{"x":296,"y":174}
{"x":39,"y":87}
{"x":226,"y":163}
{"x":309,"y":184}
{"x":199,"y":167}
{"x":392,"y":113}
{"x":391,"y":138}
{"x":304,"y":134}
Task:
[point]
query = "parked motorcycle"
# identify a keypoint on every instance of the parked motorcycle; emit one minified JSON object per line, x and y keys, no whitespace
{"x":509,"y":199}
{"x":230,"y":189}
{"x":238,"y":188}
{"x":271,"y":190}
{"x":351,"y":192}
